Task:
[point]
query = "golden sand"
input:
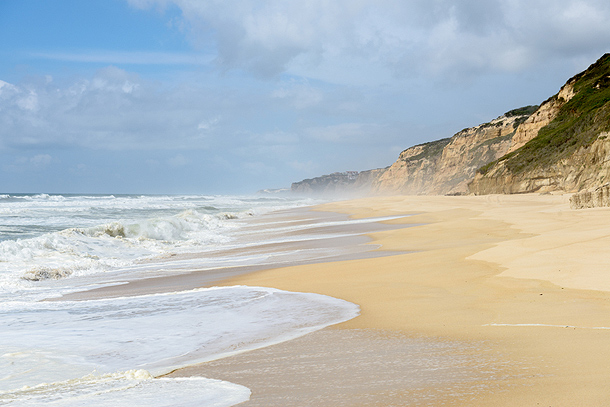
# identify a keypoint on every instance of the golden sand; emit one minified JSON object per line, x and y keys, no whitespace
{"x":524,"y":274}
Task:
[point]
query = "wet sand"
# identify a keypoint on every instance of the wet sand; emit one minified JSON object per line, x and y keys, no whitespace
{"x":516,"y":288}
{"x":353,"y":367}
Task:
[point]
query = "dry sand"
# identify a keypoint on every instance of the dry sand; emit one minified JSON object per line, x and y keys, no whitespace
{"x":515,"y":287}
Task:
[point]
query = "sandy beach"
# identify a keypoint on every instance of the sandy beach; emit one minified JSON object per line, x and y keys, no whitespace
{"x":506,"y":298}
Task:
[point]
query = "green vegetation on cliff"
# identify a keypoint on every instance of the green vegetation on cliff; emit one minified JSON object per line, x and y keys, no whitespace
{"x":522,"y":111}
{"x":430,"y":149}
{"x":577,"y":124}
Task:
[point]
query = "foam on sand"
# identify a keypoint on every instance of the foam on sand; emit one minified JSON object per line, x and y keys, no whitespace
{"x":102,"y":346}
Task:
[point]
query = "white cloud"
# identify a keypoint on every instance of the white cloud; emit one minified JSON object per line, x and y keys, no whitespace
{"x":113,"y":110}
{"x":7,"y":87}
{"x":393,"y":38}
{"x":128,"y":87}
{"x":25,"y":99}
{"x":346,"y":84}
{"x":28,"y":101}
{"x":208,"y":124}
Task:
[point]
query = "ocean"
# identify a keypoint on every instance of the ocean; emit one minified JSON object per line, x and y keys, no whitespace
{"x":111,"y":350}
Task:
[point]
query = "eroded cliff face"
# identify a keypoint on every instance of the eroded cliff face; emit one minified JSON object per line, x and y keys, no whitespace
{"x":564,"y":146}
{"x":545,"y":114}
{"x":594,"y":198}
{"x":587,"y":168}
{"x":338,"y":184}
{"x":439,"y":167}
{"x":446,"y":166}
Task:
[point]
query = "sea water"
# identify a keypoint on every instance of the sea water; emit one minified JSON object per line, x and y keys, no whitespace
{"x":111,"y":351}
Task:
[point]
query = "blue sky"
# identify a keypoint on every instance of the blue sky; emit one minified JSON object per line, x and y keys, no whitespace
{"x":232,"y":96}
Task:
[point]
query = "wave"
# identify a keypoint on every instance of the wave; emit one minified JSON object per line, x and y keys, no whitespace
{"x":115,"y":244}
{"x":51,"y":237}
{"x":41,"y":197}
{"x":186,"y":226}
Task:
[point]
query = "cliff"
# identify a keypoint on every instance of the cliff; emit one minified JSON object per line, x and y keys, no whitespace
{"x":438,"y":167}
{"x":338,"y":183}
{"x":446,"y":166}
{"x":599,"y":196}
{"x":564,"y":146}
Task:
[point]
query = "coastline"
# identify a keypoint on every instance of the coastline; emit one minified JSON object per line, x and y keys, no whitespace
{"x":483,"y":271}
{"x":312,"y":237}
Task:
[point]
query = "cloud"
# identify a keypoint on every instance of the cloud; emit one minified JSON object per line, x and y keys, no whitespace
{"x":112,"y":110}
{"x":115,"y":110}
{"x":26,"y":99}
{"x":7,"y":88}
{"x":208,"y":124}
{"x":392,"y":38}
{"x":298,"y":87}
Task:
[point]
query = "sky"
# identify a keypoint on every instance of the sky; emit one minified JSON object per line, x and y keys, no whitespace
{"x":233,"y":96}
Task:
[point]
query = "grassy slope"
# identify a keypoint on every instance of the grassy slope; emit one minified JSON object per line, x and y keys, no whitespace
{"x":578,"y":123}
{"x":430,"y":149}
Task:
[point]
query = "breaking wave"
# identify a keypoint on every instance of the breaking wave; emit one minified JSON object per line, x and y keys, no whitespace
{"x":115,"y":244}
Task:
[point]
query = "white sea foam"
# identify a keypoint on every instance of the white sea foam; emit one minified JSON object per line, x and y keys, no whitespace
{"x":64,"y":342}
{"x":133,"y":388}
{"x":98,"y":352}
{"x":50,"y":237}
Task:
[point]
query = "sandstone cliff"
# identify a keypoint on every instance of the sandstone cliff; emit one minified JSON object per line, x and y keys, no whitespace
{"x":599,"y":196}
{"x":545,"y":114}
{"x":338,"y":184}
{"x":439,"y":167}
{"x":446,"y":166}
{"x":563,"y":146}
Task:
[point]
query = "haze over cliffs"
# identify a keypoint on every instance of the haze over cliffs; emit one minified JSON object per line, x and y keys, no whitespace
{"x":561,"y":145}
{"x":438,"y":167}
